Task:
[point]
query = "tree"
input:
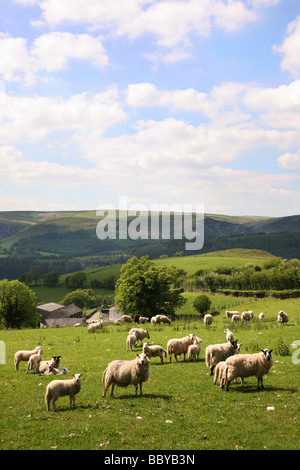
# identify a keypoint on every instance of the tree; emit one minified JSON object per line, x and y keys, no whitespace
{"x":76,"y":280}
{"x":202,"y":303}
{"x":17,"y":305}
{"x":146,"y":289}
{"x":82,"y":298}
{"x":51,"y":279}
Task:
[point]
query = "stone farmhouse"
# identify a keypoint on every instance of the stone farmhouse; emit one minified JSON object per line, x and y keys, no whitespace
{"x":53,"y":314}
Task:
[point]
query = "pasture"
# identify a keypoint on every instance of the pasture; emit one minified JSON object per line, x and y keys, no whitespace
{"x":181,"y":408}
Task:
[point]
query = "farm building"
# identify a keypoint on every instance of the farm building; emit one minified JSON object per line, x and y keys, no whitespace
{"x":53,"y":314}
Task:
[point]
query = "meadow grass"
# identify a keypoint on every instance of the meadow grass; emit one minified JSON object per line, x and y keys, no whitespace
{"x":181,"y":408}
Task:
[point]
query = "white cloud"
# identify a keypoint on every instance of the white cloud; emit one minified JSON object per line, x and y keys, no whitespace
{"x":290,"y":161}
{"x":290,"y":49}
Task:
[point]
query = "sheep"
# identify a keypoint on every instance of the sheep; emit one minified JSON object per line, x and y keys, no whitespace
{"x":157,"y":319}
{"x":282,"y":317}
{"x":208,"y":319}
{"x":229,"y":313}
{"x":229,"y":335}
{"x":179,"y":346}
{"x":235,"y":318}
{"x":23,"y":355}
{"x":55,"y":370}
{"x":143,"y":319}
{"x":247,"y":315}
{"x":154,"y":351}
{"x":261,"y":316}
{"x":60,"y":388}
{"x":44,"y":365}
{"x":124,"y":373}
{"x":139,"y":333}
{"x":220,"y":373}
{"x":95,"y":325}
{"x":194,"y":349}
{"x":125,"y":319}
{"x":34,"y":361}
{"x":216,"y":353}
{"x":247,"y":365}
{"x":130,"y":342}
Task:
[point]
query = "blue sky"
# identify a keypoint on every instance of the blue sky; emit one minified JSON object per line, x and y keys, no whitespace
{"x":163,"y":102}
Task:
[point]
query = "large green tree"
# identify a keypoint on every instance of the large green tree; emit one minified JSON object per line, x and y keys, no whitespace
{"x":82,"y":298}
{"x":147,"y":289}
{"x":17,"y":305}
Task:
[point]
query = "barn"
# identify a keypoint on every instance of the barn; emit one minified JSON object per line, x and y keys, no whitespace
{"x":53,"y":314}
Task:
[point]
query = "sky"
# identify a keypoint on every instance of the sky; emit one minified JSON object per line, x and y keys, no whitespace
{"x":156,"y":101}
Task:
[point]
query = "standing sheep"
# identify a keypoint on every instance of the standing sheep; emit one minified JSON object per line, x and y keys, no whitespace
{"x":24,"y":356}
{"x":157,"y":319}
{"x":130,"y":342}
{"x":229,"y":335}
{"x":247,"y":365}
{"x":220,"y":373}
{"x":143,"y":319}
{"x":60,"y":388}
{"x":216,"y":353}
{"x":125,"y":319}
{"x":139,"y":333}
{"x":229,"y":313}
{"x":235,"y":318}
{"x":124,"y":373}
{"x":247,"y":315}
{"x":179,"y":346}
{"x":194,"y":349}
{"x":261,"y":316}
{"x":282,"y":317}
{"x":154,"y":351}
{"x":34,"y":361}
{"x":208,"y":319}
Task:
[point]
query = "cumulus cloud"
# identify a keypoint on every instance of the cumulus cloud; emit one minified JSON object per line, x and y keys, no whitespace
{"x":290,"y":49}
{"x":290,"y":161}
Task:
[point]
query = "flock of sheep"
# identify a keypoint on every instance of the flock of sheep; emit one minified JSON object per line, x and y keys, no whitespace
{"x":224,"y":358}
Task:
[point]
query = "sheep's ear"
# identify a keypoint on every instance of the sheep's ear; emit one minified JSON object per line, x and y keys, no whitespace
{"x":270,"y":350}
{"x":73,"y":375}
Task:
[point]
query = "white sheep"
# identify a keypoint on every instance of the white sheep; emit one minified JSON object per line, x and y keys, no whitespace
{"x":143,"y":319}
{"x":34,"y":361}
{"x":51,"y":370}
{"x":282,"y":317}
{"x":125,"y":319}
{"x":139,"y":333}
{"x":60,"y":388}
{"x":95,"y":325}
{"x":247,"y":315}
{"x":154,"y":351}
{"x":208,"y":319}
{"x":194,"y":349}
{"x":24,"y":355}
{"x":247,"y":365}
{"x":157,"y":319}
{"x":178,"y":346}
{"x":220,"y":373}
{"x":261,"y":316}
{"x":235,"y":318}
{"x":130,"y":342}
{"x":216,"y":353}
{"x":229,"y":335}
{"x":229,"y":313}
{"x":44,"y":365}
{"x":124,"y":373}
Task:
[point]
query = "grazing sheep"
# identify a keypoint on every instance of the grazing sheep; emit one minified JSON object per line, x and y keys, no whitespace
{"x":282,"y":317}
{"x":24,"y":356}
{"x":60,"y":388}
{"x":143,"y":319}
{"x":44,"y":365}
{"x":194,"y":349}
{"x":229,"y":335}
{"x":216,"y":353}
{"x":34,"y":361}
{"x":261,"y":316}
{"x":154,"y":351}
{"x":247,"y":365}
{"x":95,"y":325}
{"x":229,"y":313}
{"x":139,"y":333}
{"x":247,"y":315}
{"x":178,"y":346}
{"x":208,"y":319}
{"x":125,"y":319}
{"x":130,"y":342}
{"x":157,"y":319}
{"x":124,"y":373}
{"x":235,"y":318}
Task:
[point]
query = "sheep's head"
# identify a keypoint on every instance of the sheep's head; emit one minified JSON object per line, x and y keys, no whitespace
{"x":234,"y":343}
{"x":267,"y":354}
{"x":142,"y":359}
{"x":77,"y":377}
{"x":56,"y":361}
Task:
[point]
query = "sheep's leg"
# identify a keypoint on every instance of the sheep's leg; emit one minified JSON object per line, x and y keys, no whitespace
{"x":141,"y":390}
{"x":228,"y":383}
{"x":112,"y":389}
{"x":54,"y":404}
{"x":211,"y":370}
{"x":176,"y":357}
{"x":72,"y":401}
{"x":136,"y":391}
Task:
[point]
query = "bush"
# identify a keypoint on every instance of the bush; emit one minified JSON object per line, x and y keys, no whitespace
{"x":202,"y":303}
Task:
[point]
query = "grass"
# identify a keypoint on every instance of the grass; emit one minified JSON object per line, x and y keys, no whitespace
{"x":181,"y":408}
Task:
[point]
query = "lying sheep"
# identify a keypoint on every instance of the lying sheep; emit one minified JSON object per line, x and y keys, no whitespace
{"x":208,"y":319}
{"x":216,"y":353}
{"x":24,"y":356}
{"x":282,"y":317}
{"x":179,"y":346}
{"x":55,"y":370}
{"x":139,"y":333}
{"x":230,"y":313}
{"x":60,"y":388}
{"x":154,"y":351}
{"x":130,"y":342}
{"x":124,"y":373}
{"x":44,"y":365}
{"x":95,"y":325}
{"x":229,"y":335}
{"x":157,"y":319}
{"x":247,"y":365}
{"x":125,"y":319}
{"x":34,"y":361}
{"x":194,"y":349}
{"x":235,"y":318}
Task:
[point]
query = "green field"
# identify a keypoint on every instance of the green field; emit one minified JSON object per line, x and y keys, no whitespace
{"x":181,"y":408}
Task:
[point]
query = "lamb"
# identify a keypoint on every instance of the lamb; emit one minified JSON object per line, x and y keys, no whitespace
{"x":282,"y":317}
{"x":55,"y":370}
{"x":157,"y":319}
{"x":23,"y":355}
{"x":154,"y":351}
{"x":229,"y":335}
{"x":130,"y":342}
{"x":208,"y":319}
{"x":125,"y":319}
{"x":216,"y":353}
{"x":220,"y":373}
{"x":179,"y":346}
{"x":60,"y":388}
{"x":44,"y":365}
{"x":139,"y":333}
{"x":95,"y":325}
{"x":247,"y":365}
{"x":194,"y":349}
{"x":124,"y":373}
{"x":229,"y":313}
{"x":235,"y":318}
{"x":34,"y":361}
